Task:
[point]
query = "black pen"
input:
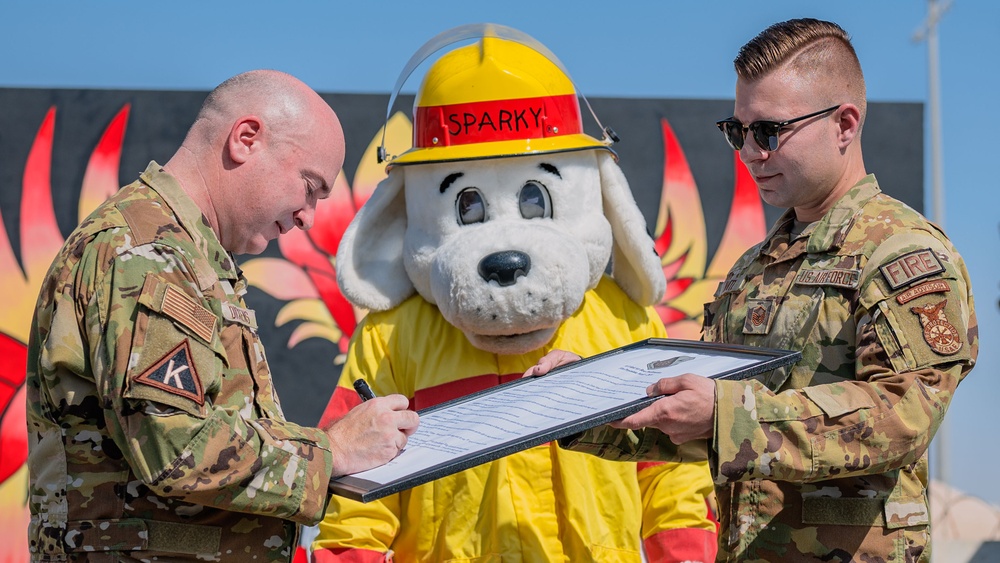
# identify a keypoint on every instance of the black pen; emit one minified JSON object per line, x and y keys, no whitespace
{"x":364,"y":391}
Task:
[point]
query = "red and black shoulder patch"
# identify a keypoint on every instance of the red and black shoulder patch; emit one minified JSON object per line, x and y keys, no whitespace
{"x":175,"y":373}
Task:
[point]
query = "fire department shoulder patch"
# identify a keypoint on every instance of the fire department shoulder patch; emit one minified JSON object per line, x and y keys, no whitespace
{"x":175,"y":373}
{"x":939,"y":333}
{"x":911,"y":267}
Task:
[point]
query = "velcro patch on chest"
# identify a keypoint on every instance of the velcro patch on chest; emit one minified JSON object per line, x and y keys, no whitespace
{"x":175,"y":373}
{"x":731,"y":284}
{"x":911,"y":267}
{"x":760,"y":315}
{"x":837,"y":277}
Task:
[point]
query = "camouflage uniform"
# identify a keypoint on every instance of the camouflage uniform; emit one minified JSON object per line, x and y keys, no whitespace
{"x":154,"y":428}
{"x":827,"y":460}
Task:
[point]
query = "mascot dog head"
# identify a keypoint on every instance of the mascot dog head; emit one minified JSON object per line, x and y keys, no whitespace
{"x":504,"y":213}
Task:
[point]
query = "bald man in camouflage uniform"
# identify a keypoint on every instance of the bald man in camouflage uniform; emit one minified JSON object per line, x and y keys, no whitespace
{"x":825,"y":460}
{"x":154,"y":429}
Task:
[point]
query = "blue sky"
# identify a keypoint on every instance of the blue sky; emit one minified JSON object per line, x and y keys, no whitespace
{"x":662,"y":48}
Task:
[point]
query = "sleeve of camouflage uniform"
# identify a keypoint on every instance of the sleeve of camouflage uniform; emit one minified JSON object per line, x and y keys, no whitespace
{"x":355,"y":531}
{"x":616,"y":444}
{"x":916,"y":340}
{"x":177,"y":439}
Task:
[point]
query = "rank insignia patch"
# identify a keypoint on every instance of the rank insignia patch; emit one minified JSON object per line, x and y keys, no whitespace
{"x":760,"y":313}
{"x":941,"y":335}
{"x":174,"y":373}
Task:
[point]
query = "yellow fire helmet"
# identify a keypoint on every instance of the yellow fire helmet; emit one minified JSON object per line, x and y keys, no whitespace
{"x":505,"y":95}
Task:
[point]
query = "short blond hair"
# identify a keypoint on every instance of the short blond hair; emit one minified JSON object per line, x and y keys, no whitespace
{"x":812,"y":48}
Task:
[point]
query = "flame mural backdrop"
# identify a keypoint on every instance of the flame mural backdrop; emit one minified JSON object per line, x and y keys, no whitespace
{"x":699,"y":200}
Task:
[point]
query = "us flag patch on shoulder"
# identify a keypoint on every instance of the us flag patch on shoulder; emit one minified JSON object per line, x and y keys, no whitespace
{"x":175,"y":373}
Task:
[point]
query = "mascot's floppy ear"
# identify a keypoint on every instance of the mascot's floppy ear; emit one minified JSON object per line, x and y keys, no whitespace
{"x":370,"y":269}
{"x":635,"y":264}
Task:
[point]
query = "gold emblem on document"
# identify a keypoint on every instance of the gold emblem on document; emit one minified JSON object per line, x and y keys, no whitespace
{"x":940,"y":335}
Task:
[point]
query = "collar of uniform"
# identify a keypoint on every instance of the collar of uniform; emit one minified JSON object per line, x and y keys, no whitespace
{"x":217,"y":262}
{"x":771,"y":245}
{"x":832,"y":228}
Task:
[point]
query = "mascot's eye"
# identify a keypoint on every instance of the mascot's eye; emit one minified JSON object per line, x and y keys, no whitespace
{"x":470,"y":207}
{"x":534,"y":201}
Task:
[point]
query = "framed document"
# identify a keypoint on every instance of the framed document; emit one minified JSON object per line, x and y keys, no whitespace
{"x":496,"y":422}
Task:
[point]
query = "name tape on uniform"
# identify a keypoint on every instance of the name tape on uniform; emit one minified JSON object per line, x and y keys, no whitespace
{"x":835,"y":277}
{"x":234,"y":314}
{"x":730,"y":285}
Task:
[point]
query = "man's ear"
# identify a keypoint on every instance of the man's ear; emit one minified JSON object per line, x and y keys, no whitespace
{"x":244,"y":138}
{"x":849,"y":121}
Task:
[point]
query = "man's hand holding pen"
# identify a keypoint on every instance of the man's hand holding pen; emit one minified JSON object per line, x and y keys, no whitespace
{"x":372,"y":433}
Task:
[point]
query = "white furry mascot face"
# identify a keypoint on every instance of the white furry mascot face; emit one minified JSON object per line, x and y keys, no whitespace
{"x":505,"y":247}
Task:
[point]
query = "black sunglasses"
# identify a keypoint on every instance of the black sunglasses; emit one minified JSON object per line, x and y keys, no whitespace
{"x":764,"y":132}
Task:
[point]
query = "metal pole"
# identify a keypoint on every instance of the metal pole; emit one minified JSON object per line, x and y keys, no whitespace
{"x":935,"y":10}
{"x":937,"y":171}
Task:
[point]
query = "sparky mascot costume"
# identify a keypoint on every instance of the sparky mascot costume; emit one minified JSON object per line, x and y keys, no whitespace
{"x":484,"y":248}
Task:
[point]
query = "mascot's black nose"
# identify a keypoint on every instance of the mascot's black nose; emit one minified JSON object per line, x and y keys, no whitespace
{"x":504,"y":267}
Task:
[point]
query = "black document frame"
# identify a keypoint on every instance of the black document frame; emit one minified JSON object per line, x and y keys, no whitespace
{"x":763,"y":361}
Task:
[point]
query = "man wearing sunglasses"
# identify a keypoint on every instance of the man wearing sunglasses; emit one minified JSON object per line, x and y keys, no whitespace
{"x":827,"y":459}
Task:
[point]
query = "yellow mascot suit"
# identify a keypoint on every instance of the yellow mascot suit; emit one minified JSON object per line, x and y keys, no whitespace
{"x":486,"y":247}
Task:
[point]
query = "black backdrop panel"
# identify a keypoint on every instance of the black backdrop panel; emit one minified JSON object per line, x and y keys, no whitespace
{"x":306,"y":375}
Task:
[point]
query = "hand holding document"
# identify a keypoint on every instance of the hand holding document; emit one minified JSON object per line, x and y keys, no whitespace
{"x":509,"y":418}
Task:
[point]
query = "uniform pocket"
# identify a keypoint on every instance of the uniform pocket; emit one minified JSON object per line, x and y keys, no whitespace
{"x":838,"y":400}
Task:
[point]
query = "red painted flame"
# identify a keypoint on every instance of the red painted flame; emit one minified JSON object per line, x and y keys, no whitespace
{"x":40,"y":241}
{"x":13,"y":424}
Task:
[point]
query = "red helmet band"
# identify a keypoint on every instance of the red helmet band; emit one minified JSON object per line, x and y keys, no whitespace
{"x":496,"y":120}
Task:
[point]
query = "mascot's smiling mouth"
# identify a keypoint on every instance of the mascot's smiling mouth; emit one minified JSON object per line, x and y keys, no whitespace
{"x":512,"y":343}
